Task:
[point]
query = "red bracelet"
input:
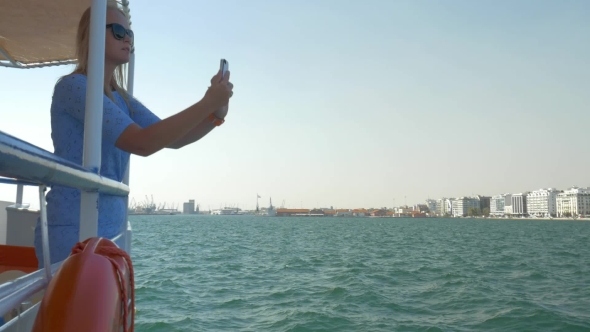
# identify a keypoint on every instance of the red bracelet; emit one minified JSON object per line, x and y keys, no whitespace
{"x":216,"y":121}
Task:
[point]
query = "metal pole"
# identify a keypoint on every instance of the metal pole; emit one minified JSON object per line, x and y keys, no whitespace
{"x":126,"y":227}
{"x":19,"y":195}
{"x":44,"y":232}
{"x":93,"y":116}
{"x":131,"y":74}
{"x":8,"y":57}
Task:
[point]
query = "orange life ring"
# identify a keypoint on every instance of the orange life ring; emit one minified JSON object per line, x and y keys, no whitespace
{"x":90,"y":291}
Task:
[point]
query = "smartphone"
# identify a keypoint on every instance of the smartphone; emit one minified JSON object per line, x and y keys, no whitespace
{"x":224,"y":67}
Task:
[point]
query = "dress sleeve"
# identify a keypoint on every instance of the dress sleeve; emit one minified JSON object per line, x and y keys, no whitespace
{"x":141,"y":114}
{"x":70,"y":97}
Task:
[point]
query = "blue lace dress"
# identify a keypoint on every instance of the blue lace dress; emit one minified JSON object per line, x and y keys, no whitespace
{"x":67,"y":125}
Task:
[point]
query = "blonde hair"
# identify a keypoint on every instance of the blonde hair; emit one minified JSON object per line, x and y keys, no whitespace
{"x":118,"y":80}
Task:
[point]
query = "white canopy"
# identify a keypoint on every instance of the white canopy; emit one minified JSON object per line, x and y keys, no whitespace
{"x":39,"y":32}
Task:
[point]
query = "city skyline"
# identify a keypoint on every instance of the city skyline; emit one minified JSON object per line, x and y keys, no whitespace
{"x":353,"y":104}
{"x":301,"y":205}
{"x":541,"y":203}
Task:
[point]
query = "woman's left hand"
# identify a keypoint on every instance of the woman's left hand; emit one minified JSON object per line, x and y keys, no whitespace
{"x":222,"y":112}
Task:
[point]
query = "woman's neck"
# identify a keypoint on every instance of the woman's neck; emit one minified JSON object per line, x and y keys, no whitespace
{"x":108,"y":75}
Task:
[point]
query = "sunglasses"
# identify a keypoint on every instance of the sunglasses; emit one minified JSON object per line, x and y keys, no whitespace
{"x":119,"y":31}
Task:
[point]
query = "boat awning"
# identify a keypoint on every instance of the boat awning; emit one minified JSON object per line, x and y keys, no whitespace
{"x":35,"y":33}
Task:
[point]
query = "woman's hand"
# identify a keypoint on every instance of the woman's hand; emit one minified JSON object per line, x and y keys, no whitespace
{"x":221,"y":113}
{"x":219,"y":92}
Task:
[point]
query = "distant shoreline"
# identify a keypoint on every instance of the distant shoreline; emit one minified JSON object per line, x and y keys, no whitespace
{"x":493,"y":218}
{"x":379,"y":217}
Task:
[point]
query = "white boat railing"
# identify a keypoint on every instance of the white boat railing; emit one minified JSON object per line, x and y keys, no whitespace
{"x":22,"y":164}
{"x":26,"y":162}
{"x":17,"y":291}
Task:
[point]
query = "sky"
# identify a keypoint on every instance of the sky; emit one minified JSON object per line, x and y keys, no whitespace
{"x":351,"y":103}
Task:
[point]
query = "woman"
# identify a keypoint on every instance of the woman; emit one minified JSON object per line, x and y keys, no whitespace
{"x":127,"y":127}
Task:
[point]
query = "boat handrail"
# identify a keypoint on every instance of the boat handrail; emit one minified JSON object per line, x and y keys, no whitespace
{"x":10,"y":287}
{"x":17,"y":182}
{"x":15,"y":292}
{"x":26,"y":162}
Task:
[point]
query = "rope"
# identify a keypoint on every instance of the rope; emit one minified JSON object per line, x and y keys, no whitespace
{"x":113,"y":251}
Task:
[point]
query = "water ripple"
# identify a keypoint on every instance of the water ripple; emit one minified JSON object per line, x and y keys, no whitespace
{"x":206,"y":273}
